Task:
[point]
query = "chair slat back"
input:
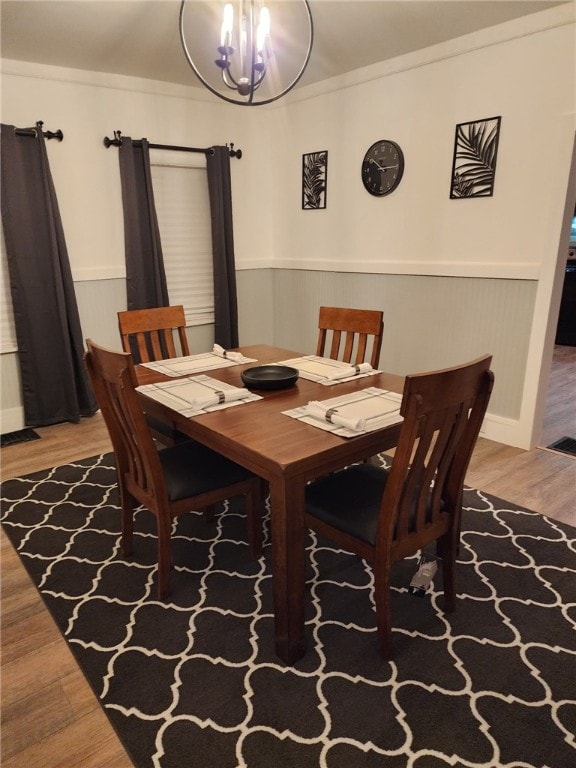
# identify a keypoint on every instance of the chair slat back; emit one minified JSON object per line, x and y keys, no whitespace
{"x":114,"y":380}
{"x":347,"y":332}
{"x":148,"y":334}
{"x":443,"y":412}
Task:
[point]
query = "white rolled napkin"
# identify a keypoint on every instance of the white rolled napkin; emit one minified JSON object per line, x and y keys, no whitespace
{"x":351,"y":370}
{"x":221,"y":396}
{"x":323,"y":412}
{"x":221,"y":352}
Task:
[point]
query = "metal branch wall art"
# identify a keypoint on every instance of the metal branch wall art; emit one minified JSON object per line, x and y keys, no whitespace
{"x":314,"y":174}
{"x":474,"y":164}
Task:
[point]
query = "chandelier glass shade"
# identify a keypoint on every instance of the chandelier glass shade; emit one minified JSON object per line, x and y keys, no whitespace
{"x":247,"y":52}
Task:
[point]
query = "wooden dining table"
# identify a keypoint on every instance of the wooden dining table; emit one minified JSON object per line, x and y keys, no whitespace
{"x":287,"y":453}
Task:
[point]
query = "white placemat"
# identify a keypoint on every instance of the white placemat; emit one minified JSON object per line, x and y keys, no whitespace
{"x":373,"y":408}
{"x":206,"y":361}
{"x":321,"y":369}
{"x":195,"y":395}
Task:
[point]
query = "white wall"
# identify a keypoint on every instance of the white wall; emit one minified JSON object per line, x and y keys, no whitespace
{"x":417,"y":101}
{"x":523,"y":71}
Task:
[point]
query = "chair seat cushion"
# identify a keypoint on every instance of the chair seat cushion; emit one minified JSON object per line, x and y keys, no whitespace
{"x":191,"y":469}
{"x":349,"y":500}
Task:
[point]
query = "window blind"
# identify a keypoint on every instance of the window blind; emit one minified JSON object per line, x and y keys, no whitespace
{"x":183,"y":210}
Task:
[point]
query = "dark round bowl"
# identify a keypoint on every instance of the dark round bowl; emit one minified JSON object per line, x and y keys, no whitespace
{"x":269,"y":377}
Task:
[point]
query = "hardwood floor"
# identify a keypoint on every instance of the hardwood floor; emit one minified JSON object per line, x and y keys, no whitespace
{"x":540,"y":479}
{"x":50,"y":716}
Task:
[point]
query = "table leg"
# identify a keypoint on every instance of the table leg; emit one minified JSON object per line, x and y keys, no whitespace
{"x":288,"y":568}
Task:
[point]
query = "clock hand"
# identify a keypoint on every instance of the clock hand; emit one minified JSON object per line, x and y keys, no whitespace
{"x":382,"y":167}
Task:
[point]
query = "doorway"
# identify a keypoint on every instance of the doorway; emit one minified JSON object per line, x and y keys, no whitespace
{"x":560,"y":412}
{"x":559,"y":418}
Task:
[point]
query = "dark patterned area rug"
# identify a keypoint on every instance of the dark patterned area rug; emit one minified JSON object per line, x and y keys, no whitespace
{"x":194,"y":682}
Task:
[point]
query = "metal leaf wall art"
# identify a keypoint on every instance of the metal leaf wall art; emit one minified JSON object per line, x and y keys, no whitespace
{"x":474,"y":164}
{"x":314,"y":175}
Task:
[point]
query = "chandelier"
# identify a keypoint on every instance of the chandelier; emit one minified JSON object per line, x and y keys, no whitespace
{"x":247,"y":52}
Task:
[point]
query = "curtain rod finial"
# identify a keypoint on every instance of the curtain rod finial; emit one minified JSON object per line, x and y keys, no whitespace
{"x":115,"y":142}
{"x":235,"y":152}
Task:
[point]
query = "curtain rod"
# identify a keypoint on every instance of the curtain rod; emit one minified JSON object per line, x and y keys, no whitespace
{"x":34,"y":132}
{"x":117,"y":142}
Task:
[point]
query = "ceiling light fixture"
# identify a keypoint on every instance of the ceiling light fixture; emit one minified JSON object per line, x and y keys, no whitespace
{"x":262,"y":50}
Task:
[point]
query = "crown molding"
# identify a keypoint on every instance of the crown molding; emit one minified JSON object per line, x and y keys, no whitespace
{"x":525,"y":26}
{"x":103,"y":80}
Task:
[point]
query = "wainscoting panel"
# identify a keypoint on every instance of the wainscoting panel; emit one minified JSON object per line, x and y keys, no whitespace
{"x":99,"y":302}
{"x":256,"y":306}
{"x":429,"y":322}
{"x":12,"y":413}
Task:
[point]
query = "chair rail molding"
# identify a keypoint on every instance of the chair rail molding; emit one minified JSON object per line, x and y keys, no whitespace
{"x":493,"y":269}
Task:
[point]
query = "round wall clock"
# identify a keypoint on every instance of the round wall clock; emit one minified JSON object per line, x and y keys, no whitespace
{"x":382,"y":167}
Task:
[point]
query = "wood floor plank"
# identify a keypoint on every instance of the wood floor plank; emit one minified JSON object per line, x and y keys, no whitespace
{"x":88,"y":742}
{"x":20,"y":598}
{"x":543,"y":481}
{"x":40,"y":668}
{"x":58,"y":444}
{"x":27,"y":635}
{"x":29,"y":719}
{"x":79,"y":694}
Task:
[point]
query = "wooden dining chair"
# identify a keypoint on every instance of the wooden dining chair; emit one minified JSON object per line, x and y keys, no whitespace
{"x":149,"y":334}
{"x":347,"y":332}
{"x":169,"y":482}
{"x":384,"y":515}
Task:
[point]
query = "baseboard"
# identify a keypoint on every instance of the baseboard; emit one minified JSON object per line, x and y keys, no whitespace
{"x":506,"y":431}
{"x":11,"y":420}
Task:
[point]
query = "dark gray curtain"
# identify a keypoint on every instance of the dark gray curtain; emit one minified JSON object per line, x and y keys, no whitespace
{"x":225,"y":298}
{"x":145,"y":276}
{"x":55,"y":385}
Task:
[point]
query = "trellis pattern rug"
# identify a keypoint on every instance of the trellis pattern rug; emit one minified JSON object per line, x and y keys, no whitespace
{"x":194,"y":682}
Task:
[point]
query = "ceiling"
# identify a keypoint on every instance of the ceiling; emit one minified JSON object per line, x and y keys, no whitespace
{"x":140,"y":38}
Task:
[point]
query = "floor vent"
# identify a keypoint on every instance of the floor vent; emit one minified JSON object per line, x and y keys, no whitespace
{"x":565,"y":445}
{"x":20,"y":436}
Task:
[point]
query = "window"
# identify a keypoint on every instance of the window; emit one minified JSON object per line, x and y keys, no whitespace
{"x":183,"y":210}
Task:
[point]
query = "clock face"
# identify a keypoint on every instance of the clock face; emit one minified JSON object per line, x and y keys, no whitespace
{"x":382,"y":168}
